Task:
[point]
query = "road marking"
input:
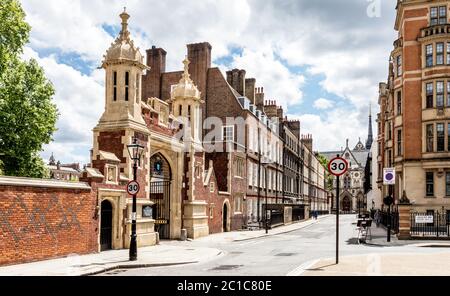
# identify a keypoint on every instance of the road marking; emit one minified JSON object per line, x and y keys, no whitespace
{"x":302,"y":268}
{"x":251,"y":243}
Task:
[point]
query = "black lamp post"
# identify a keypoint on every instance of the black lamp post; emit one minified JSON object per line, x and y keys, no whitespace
{"x":266,"y":222}
{"x":135,"y":150}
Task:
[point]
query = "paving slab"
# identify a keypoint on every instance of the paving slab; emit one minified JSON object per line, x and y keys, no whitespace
{"x":405,"y":264}
{"x":75,"y":265}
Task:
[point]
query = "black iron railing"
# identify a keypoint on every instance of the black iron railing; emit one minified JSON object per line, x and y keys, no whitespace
{"x":430,"y":225}
{"x":392,"y":218}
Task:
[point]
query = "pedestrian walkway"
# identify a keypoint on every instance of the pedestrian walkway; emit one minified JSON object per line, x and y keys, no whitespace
{"x":161,"y":255}
{"x":403,"y":264}
{"x":379,"y":238}
{"x":243,"y":235}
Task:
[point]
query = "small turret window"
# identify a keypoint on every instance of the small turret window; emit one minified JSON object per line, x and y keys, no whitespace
{"x":138,"y":86}
{"x":127,"y":84}
{"x":180,"y":110}
{"x":189,"y":113}
{"x":115,"y":86}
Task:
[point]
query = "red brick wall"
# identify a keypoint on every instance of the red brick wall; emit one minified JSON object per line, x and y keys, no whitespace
{"x":43,"y":223}
{"x":112,"y":142}
{"x":220,"y":164}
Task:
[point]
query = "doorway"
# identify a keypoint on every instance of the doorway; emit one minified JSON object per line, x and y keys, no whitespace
{"x":346,"y":205}
{"x":160,"y":184}
{"x":225,"y":218}
{"x":106,"y":226}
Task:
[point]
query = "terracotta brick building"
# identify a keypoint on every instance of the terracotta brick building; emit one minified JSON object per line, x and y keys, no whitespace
{"x":414,"y":122}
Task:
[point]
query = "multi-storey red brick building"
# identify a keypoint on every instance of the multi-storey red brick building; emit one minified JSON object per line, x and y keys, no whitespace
{"x":414,"y":122}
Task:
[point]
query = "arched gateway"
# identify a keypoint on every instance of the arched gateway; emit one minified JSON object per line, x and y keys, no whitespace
{"x":160,"y":181}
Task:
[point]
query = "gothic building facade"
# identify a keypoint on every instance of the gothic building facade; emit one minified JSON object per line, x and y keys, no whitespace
{"x":191,"y":180}
{"x":353,"y":195}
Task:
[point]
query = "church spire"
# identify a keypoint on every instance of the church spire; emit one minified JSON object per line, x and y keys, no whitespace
{"x":370,"y":133}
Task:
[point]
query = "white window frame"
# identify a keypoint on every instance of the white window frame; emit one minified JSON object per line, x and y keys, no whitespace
{"x":224,"y":131}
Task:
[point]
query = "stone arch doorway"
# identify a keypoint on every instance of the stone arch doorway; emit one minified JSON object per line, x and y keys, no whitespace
{"x":160,"y":184}
{"x":346,"y":206}
{"x":106,"y":222}
{"x":226,"y":217}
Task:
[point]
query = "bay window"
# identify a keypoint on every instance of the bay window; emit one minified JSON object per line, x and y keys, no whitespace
{"x":429,"y":94}
{"x":429,"y":55}
{"x":430,"y":137}
{"x":440,"y":94}
{"x":439,"y":53}
{"x":440,"y":137}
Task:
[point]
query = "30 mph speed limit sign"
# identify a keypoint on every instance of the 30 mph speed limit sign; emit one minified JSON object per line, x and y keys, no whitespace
{"x":338,"y":166}
{"x":133,"y":188}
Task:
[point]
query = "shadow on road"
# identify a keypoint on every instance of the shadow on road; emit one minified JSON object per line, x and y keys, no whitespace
{"x":320,"y":268}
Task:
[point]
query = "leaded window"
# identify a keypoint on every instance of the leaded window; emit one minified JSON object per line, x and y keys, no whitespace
{"x":430,"y":97}
{"x":429,"y":55}
{"x":440,"y":137}
{"x":430,"y":137}
{"x":440,"y":94}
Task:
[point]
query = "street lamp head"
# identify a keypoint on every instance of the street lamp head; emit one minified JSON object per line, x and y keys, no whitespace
{"x":135,"y":150}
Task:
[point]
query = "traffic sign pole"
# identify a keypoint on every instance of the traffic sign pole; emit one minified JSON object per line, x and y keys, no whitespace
{"x":337,"y":220}
{"x":337,"y":167}
{"x":133,"y":241}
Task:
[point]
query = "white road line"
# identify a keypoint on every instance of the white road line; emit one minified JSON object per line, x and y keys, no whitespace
{"x":302,"y":268}
{"x":251,"y":243}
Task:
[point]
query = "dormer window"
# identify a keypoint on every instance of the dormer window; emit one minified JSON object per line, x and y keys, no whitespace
{"x":115,"y":86}
{"x":127,"y":84}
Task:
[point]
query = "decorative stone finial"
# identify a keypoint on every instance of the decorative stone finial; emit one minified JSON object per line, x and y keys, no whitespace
{"x":186,"y":75}
{"x":124,"y":34}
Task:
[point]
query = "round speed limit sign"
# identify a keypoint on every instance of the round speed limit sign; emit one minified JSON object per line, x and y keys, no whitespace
{"x":133,"y":188}
{"x":338,"y":166}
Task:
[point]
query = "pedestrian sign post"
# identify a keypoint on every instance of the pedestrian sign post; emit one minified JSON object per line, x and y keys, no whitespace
{"x":338,"y":166}
{"x":389,"y":176}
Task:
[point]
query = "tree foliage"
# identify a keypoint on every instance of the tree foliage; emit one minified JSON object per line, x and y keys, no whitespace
{"x":14,"y":31}
{"x":27,"y":113}
{"x":329,"y":178}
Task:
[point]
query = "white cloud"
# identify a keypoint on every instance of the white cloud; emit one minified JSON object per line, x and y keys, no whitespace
{"x":330,"y":131}
{"x":333,"y":39}
{"x":80,"y":102}
{"x":278,"y":82}
{"x":323,"y":104}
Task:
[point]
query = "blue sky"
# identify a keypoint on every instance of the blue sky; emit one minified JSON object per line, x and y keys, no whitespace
{"x":321,"y":60}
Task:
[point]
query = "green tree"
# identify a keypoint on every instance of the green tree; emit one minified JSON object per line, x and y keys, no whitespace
{"x":329,"y":178}
{"x":14,"y":31}
{"x":27,"y":113}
